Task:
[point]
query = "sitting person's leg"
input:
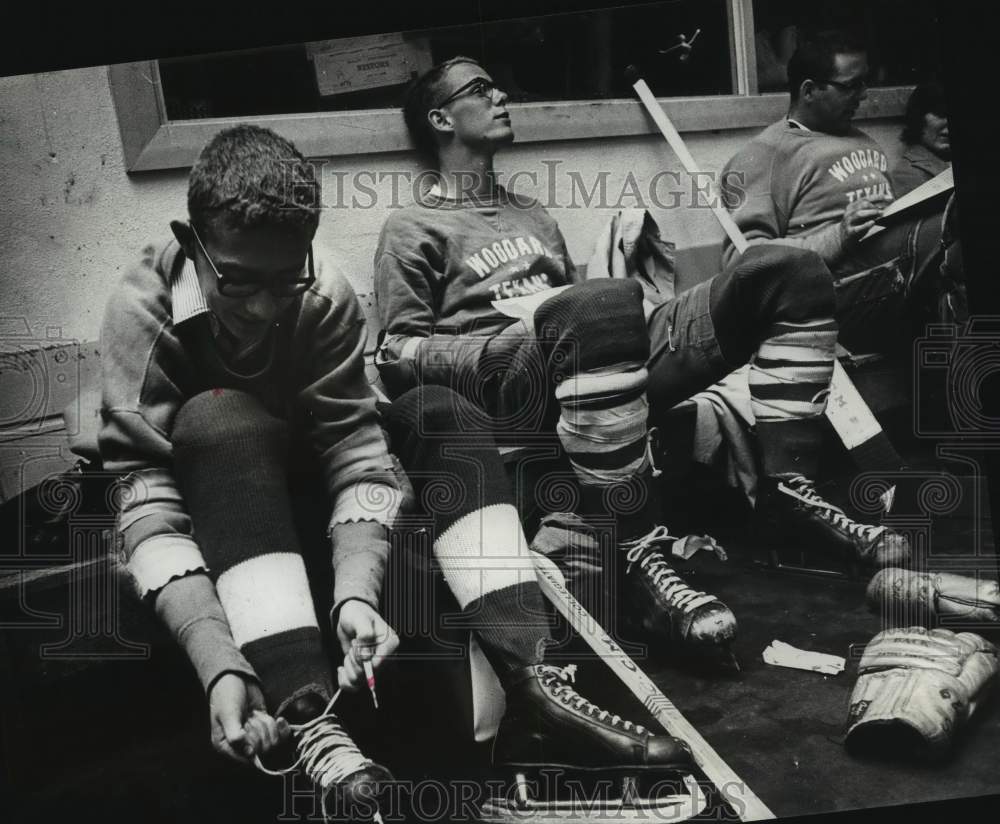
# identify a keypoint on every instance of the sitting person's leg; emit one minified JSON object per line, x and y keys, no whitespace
{"x":888,"y":286}
{"x":483,"y":554}
{"x":774,"y":308}
{"x":230,"y":459}
{"x":595,"y":343}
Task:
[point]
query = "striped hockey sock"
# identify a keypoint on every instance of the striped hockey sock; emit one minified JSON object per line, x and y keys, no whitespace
{"x":603,"y":428}
{"x":598,"y":350}
{"x":789,"y":384}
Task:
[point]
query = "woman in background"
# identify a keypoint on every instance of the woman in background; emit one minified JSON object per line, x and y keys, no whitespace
{"x":927,"y":150}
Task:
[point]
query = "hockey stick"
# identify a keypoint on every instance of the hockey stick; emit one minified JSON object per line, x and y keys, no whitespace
{"x":734,"y":789}
{"x":853,"y":421}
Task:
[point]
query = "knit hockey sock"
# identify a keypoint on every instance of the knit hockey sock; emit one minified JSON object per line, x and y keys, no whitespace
{"x":479,"y":543}
{"x":600,"y":381}
{"x":789,"y":384}
{"x":512,"y":625}
{"x":230,"y":464}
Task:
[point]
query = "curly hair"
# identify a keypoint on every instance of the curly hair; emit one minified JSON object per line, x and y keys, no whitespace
{"x":420,"y":98}
{"x":927,"y":97}
{"x":250,"y":176}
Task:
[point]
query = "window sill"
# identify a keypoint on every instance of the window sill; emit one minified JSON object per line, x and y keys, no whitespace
{"x":153,"y":143}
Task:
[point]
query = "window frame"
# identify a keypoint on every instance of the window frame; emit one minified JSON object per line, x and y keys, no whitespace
{"x":151,"y":142}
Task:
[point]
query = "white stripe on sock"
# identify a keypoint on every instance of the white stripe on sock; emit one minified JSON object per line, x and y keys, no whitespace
{"x":786,"y":410}
{"x":784,"y":348}
{"x":612,"y":380}
{"x":484,"y":551}
{"x":266,"y":595}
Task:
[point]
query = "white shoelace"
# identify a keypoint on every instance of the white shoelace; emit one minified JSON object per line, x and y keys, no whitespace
{"x":326,"y":752}
{"x":562,"y":690}
{"x":801,"y":488}
{"x":665,"y":578}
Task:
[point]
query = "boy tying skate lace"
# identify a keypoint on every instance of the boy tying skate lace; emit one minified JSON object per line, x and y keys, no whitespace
{"x":223,"y":350}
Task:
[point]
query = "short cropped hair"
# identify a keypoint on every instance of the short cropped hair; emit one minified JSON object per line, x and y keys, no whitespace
{"x":249,"y":176}
{"x":927,"y":97}
{"x":815,"y":57}
{"x":421,"y":96}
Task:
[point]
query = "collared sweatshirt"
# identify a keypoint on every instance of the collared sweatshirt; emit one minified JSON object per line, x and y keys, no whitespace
{"x":439,"y":266}
{"x":158,"y":350}
{"x":793,"y":186}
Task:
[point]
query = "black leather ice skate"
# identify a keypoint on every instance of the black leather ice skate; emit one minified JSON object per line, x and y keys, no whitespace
{"x":791,"y":511}
{"x":658,"y":602}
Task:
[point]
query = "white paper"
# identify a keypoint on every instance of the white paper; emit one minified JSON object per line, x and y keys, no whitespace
{"x":935,"y":187}
{"x":781,"y":654}
{"x":523,"y":308}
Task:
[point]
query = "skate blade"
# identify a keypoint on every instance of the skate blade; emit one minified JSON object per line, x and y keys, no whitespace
{"x":596,"y":809}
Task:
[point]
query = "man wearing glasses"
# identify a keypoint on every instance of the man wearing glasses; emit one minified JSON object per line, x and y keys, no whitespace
{"x":814,"y":181}
{"x":234,"y":390}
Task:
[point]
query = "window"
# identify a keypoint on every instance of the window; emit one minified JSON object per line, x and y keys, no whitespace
{"x":718,"y":62}
{"x":571,"y":56}
{"x":903,"y":46}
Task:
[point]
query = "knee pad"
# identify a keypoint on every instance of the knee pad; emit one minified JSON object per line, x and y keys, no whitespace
{"x":795,"y":282}
{"x":594,"y":324}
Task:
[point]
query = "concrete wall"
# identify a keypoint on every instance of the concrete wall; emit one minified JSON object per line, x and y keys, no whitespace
{"x":71,"y":219}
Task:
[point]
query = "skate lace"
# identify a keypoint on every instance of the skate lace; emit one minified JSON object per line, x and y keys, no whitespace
{"x":664,"y":577}
{"x":558,"y":683}
{"x":803,"y":490}
{"x":325,"y":751}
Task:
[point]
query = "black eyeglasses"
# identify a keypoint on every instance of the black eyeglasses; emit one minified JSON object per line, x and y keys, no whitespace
{"x":854,"y":87}
{"x":247,"y":288}
{"x":481,"y":87}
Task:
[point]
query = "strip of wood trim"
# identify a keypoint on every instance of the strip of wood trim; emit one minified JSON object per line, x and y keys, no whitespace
{"x":175,"y":144}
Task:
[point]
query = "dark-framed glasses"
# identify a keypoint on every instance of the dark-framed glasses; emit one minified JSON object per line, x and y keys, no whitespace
{"x":279,"y":288}
{"x":854,"y":87}
{"x":480,"y":87}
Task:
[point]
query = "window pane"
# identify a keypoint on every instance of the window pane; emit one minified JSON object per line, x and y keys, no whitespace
{"x":570,"y":56}
{"x":902,"y":36}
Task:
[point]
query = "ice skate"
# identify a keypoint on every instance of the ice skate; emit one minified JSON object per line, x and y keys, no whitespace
{"x":568,"y":757}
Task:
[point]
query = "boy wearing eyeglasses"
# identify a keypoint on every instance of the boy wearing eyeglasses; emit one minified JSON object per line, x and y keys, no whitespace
{"x":234,"y":388}
{"x":814,"y":181}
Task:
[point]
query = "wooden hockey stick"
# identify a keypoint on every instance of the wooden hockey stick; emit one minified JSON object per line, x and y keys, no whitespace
{"x":853,"y":421}
{"x":734,"y":789}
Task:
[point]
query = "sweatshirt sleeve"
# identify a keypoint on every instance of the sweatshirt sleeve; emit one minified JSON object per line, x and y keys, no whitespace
{"x":140,"y":397}
{"x":410,"y":353}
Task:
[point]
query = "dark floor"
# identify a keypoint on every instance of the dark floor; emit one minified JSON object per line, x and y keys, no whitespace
{"x":127,"y":739}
